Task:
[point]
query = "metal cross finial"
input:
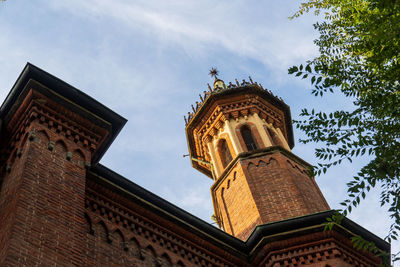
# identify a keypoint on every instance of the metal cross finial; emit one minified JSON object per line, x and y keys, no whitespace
{"x":213,"y":72}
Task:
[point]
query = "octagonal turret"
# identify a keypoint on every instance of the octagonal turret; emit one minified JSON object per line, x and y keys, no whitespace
{"x":241,"y":136}
{"x":235,"y":118}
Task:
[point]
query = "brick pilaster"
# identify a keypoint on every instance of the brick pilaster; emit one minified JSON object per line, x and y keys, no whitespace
{"x":42,"y":197}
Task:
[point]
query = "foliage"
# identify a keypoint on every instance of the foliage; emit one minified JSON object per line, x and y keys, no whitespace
{"x":359,"y":58}
{"x":359,"y":243}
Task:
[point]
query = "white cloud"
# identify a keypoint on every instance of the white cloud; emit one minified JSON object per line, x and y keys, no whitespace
{"x":199,"y":27}
{"x":148,"y":60}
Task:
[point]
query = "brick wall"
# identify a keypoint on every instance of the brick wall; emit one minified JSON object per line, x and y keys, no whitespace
{"x":236,"y":204}
{"x":42,"y":198}
{"x":318,"y":249}
{"x":55,"y":212}
{"x":282,"y":189}
{"x":265,"y":189}
{"x":126,"y":233}
{"x":42,"y":205}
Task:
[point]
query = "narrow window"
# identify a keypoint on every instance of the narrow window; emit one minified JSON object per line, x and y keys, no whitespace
{"x":224,"y":153}
{"x":248,"y":138}
{"x":275,"y":140}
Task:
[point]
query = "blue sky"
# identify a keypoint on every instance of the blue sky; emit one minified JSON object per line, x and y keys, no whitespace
{"x":149,"y":60}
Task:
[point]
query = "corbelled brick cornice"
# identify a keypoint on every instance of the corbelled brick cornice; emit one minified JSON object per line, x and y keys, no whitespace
{"x":52,"y":115}
{"x":40,"y":96}
{"x":242,"y":101}
{"x":37,"y":107}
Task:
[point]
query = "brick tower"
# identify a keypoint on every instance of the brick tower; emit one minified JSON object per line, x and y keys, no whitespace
{"x":50,"y":135}
{"x":60,"y":207}
{"x":241,"y":136}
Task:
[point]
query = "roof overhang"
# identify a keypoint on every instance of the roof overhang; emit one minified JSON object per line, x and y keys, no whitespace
{"x":61,"y":91}
{"x":262,"y":234}
{"x":223,"y":94}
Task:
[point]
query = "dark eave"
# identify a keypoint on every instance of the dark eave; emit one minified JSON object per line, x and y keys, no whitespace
{"x":163,"y":208}
{"x":240,"y":90}
{"x":347,"y":227}
{"x":261,"y":234}
{"x":156,"y":204}
{"x":31,"y":72}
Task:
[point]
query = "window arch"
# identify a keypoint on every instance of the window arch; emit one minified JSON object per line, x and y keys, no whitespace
{"x":224,"y":153}
{"x":275,"y":140}
{"x":248,"y":138}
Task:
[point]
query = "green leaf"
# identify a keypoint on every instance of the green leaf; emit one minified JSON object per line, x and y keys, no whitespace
{"x":359,"y":60}
{"x":293,"y":69}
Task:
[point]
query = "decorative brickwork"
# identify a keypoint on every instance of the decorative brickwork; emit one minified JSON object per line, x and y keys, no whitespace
{"x":55,"y":118}
{"x":126,"y":230}
{"x":60,"y":207}
{"x":319,"y":249}
{"x":241,"y":107}
{"x":41,"y":201}
{"x":269,"y":185}
{"x":48,"y":146}
{"x":234,"y":204}
{"x":265,"y":188}
{"x":241,"y":101}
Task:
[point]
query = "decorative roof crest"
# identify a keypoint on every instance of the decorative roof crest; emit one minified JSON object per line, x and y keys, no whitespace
{"x":218,"y":87}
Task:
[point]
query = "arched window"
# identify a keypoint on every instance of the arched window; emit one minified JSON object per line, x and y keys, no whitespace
{"x":224,"y":153}
{"x":248,"y":138}
{"x":275,"y":140}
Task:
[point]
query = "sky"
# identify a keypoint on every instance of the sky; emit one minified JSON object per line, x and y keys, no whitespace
{"x":149,"y":61}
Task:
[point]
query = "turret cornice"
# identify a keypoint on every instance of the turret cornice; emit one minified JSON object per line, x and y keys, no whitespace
{"x":225,"y":103}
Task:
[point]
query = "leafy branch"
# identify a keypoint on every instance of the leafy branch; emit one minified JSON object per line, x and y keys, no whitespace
{"x":358,"y":58}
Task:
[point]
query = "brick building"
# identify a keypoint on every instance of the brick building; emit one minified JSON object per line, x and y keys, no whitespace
{"x":60,"y":207}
